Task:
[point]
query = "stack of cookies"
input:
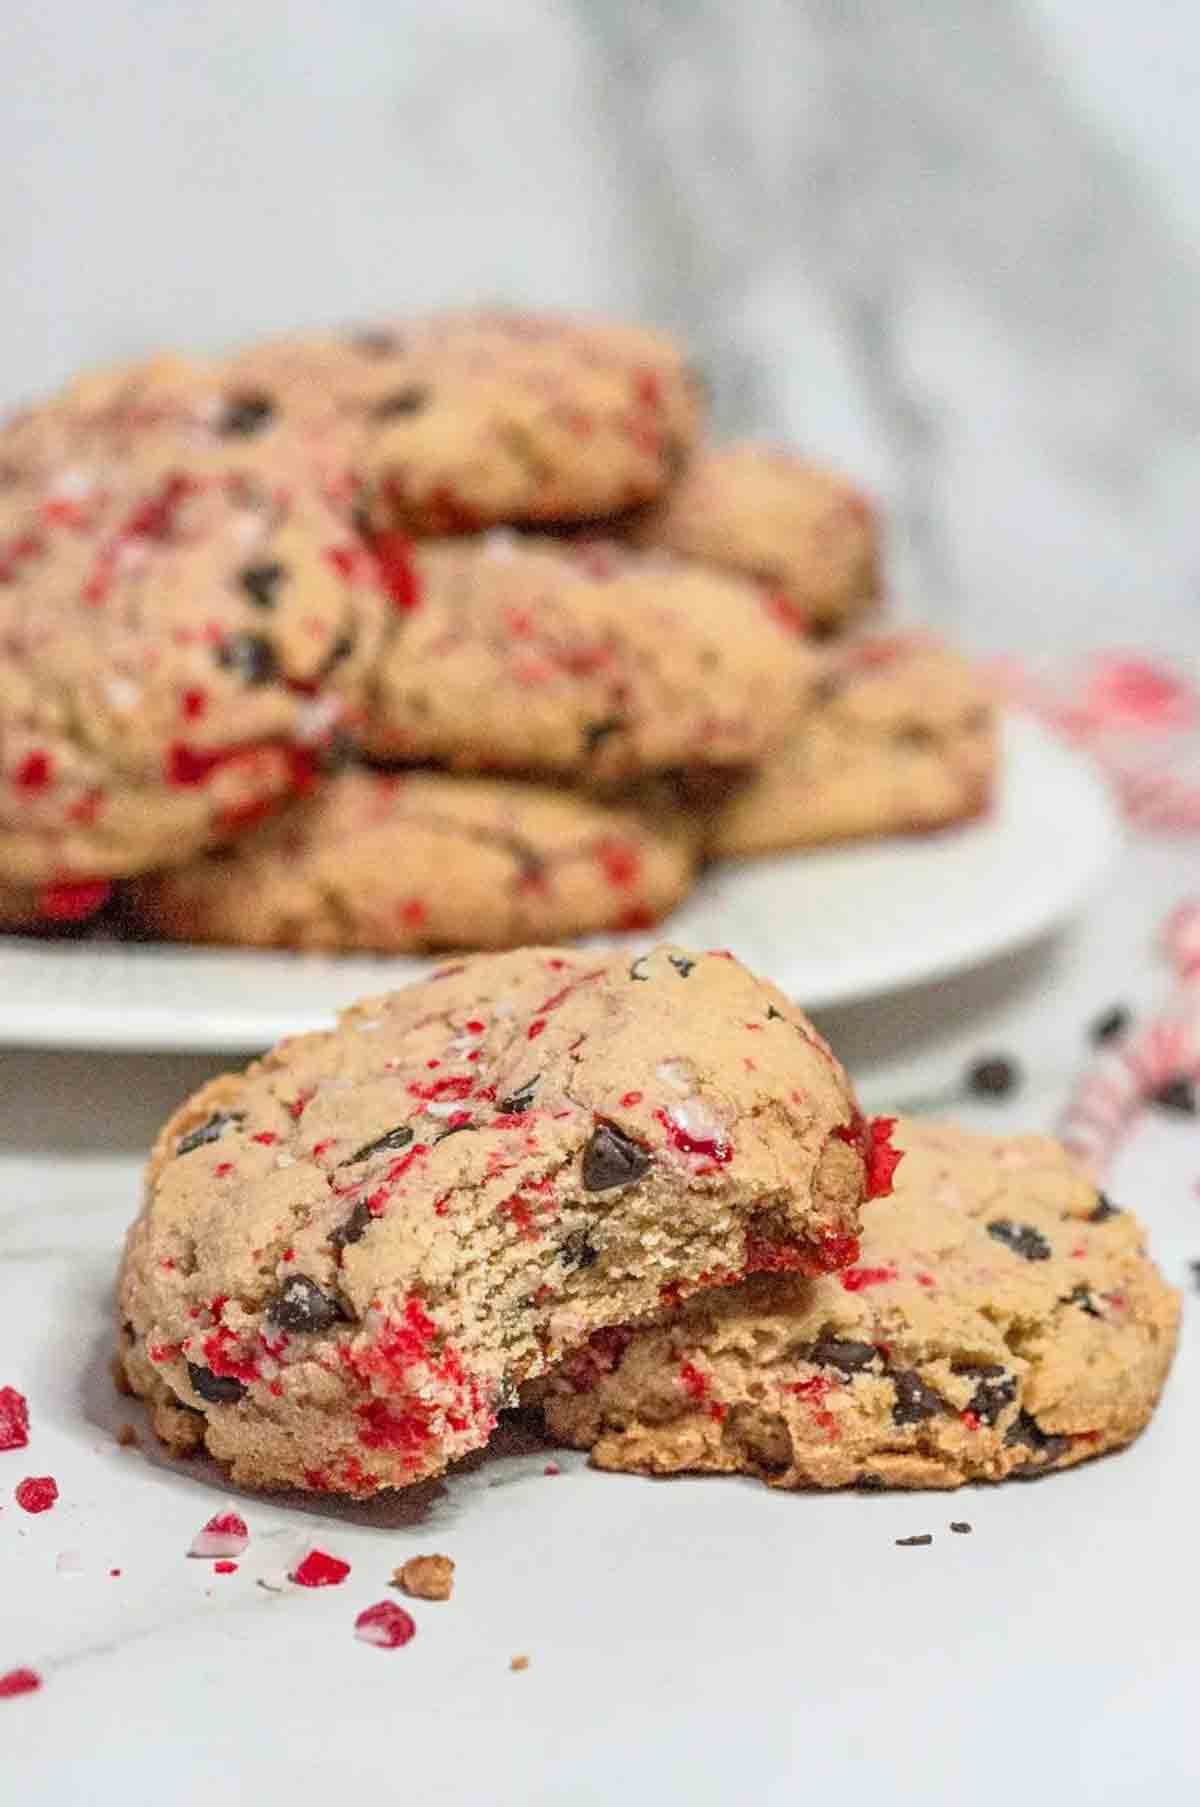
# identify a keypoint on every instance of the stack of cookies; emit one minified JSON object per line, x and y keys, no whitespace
{"x":447,"y":634}
{"x":640,"y":1195}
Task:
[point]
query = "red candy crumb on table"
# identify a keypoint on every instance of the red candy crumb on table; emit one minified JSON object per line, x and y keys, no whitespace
{"x":386,"y":1625}
{"x":319,"y":1569}
{"x":224,"y":1568}
{"x":14,"y":1419}
{"x":37,"y":1493}
{"x":225,"y":1534}
{"x":19,"y":1681}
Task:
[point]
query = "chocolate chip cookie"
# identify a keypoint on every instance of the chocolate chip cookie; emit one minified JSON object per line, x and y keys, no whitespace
{"x":810,"y":538}
{"x":351,"y":1254}
{"x":897,"y":735}
{"x":1003,"y":1318}
{"x":470,"y":418}
{"x":583,"y":660}
{"x":408,"y":861}
{"x":186,"y":615}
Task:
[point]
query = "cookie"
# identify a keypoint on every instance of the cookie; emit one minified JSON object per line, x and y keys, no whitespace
{"x":53,"y":906}
{"x":468,"y":419}
{"x":897,"y":736}
{"x":809,"y":537}
{"x":410,"y":861}
{"x":186,"y":615}
{"x":1003,"y":1319}
{"x":350,"y":1255}
{"x":587,"y":661}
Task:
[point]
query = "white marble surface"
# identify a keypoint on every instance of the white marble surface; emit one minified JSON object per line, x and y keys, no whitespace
{"x":954,"y":244}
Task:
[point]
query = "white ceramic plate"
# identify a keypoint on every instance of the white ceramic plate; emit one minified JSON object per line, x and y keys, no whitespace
{"x":829,"y":927}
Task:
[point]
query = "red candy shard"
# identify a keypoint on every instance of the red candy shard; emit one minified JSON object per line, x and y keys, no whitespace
{"x":224,"y":1568}
{"x":14,"y":1419}
{"x":716,"y":1148}
{"x":225,"y":1534}
{"x":34,"y":772}
{"x":386,"y":1625}
{"x":854,"y":1279}
{"x":397,"y":573}
{"x":19,"y":1681}
{"x":319,"y":1569}
{"x":874,"y":1144}
{"x":74,"y":902}
{"x":37,"y":1492}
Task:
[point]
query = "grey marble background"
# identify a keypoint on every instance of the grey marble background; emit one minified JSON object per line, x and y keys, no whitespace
{"x":951,"y":244}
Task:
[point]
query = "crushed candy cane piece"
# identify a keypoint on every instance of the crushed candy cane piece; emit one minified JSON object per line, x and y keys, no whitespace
{"x":225,"y":1534}
{"x":385,"y":1624}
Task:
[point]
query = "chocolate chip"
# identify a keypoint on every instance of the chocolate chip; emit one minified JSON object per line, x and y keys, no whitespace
{"x":260,"y":583}
{"x":1084,"y":1297}
{"x":961,"y":1526}
{"x":1021,"y":1238}
{"x":1025,"y":1429}
{"x":775,"y":1016}
{"x":212,"y":1131}
{"x":914,"y":1400}
{"x":848,"y":1358}
{"x":993,"y":1077}
{"x":869,"y":1483}
{"x":1114,"y":1022}
{"x":518,"y":1102}
{"x":637,"y":970}
{"x":341,"y":649}
{"x":995,"y":1390}
{"x":596,"y":733}
{"x":246,"y":415}
{"x":400,"y":1137}
{"x":218,"y":1389}
{"x":455,"y":1129}
{"x":611,"y":1159}
{"x":576,"y":1250}
{"x":683,"y":966}
{"x":401,"y":402}
{"x":1104,"y":1210}
{"x":1178,"y":1095}
{"x":354,"y":1228}
{"x":913,"y":1543}
{"x":338,"y":752}
{"x":300,"y":1305}
{"x":252,"y":657}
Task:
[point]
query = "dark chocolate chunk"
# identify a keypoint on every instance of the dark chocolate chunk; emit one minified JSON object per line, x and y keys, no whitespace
{"x":637,"y":970}
{"x":252,"y":657}
{"x":595,"y":733}
{"x":1114,"y":1022}
{"x":1021,"y":1238}
{"x":1101,"y":1212}
{"x":1085,"y":1298}
{"x":455,"y":1129}
{"x":576,"y":1250}
{"x":1026,"y":1429}
{"x":775,"y":1016}
{"x":354,"y":1228}
{"x":519,"y":1101}
{"x":218,"y":1389}
{"x":683,"y":966}
{"x":1178,"y":1095}
{"x":913,"y":1543}
{"x":212,"y":1131}
{"x":611,"y":1159}
{"x":914,"y":1400}
{"x":401,"y":402}
{"x":961,"y":1526}
{"x":338,"y":752}
{"x":400,"y":1137}
{"x":260,"y":583}
{"x":341,"y":649}
{"x":993,"y":1077}
{"x":300,"y":1305}
{"x":995,"y":1390}
{"x":848,"y":1358}
{"x":869,"y":1483}
{"x":246,"y":415}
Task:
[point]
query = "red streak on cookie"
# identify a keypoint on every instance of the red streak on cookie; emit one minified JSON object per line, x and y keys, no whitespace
{"x":814,"y":1392}
{"x":404,"y":1428}
{"x":971,"y":1420}
{"x":69,"y":902}
{"x":693,"y":1382}
{"x":397,"y":572}
{"x":85,"y":809}
{"x":413,"y":913}
{"x":620,"y":863}
{"x":536,"y":1028}
{"x":37,"y":1493}
{"x":873,"y":1142}
{"x":19,"y":1681}
{"x":14,"y":1419}
{"x":225,"y":1362}
{"x":266,"y":1136}
{"x":787,"y":613}
{"x":715,"y":1148}
{"x":386,"y":1625}
{"x":856,"y":1279}
{"x":192,"y":705}
{"x":453,"y":1086}
{"x":630,"y":1099}
{"x":647,"y":388}
{"x":319,"y":1569}
{"x":34,"y":773}
{"x":154,"y":518}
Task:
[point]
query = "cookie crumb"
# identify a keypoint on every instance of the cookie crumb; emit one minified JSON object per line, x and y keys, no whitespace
{"x":127,"y":1435}
{"x":426,"y":1577}
{"x":961,"y":1526}
{"x":517,"y":1663}
{"x":909,"y":1543}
